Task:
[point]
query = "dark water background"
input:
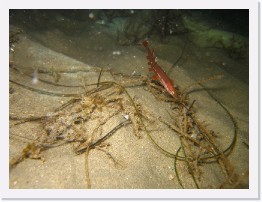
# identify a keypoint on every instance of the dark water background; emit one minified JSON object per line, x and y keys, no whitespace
{"x":236,"y":20}
{"x":157,"y":25}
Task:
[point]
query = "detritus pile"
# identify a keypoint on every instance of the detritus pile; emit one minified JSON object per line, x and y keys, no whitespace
{"x":95,"y":106}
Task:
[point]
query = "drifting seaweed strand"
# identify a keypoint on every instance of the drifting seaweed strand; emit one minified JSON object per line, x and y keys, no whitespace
{"x":221,"y":156}
{"x":187,"y":162}
{"x":183,"y":128}
{"x":72,"y":101}
{"x":208,"y":137}
{"x":73,"y":86}
{"x":232,"y":144}
{"x":45,"y":81}
{"x":178,"y":59}
{"x":26,"y":119}
{"x":94,"y":145}
{"x":108,"y":135}
{"x":186,"y":136}
{"x":43,"y":91}
{"x":175,"y":168}
{"x":201,"y":81}
{"x":99,"y":77}
{"x":88,"y":181}
{"x":22,"y":137}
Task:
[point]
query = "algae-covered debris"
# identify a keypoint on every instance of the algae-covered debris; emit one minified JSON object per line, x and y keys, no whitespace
{"x":81,"y":120}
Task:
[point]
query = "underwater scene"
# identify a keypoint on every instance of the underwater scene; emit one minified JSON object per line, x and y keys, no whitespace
{"x":128,"y":99}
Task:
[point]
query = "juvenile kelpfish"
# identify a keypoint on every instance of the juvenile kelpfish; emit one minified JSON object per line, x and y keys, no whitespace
{"x":159,"y":75}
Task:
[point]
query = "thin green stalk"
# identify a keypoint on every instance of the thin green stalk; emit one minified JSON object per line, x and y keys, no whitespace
{"x":175,"y":164}
{"x":188,"y":165}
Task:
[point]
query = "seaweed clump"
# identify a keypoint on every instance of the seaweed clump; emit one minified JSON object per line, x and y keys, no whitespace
{"x":82,"y":118}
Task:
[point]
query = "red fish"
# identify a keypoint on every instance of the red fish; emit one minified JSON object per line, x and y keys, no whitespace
{"x":159,"y":75}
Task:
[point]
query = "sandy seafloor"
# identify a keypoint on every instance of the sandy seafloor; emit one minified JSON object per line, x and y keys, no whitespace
{"x":143,"y":166}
